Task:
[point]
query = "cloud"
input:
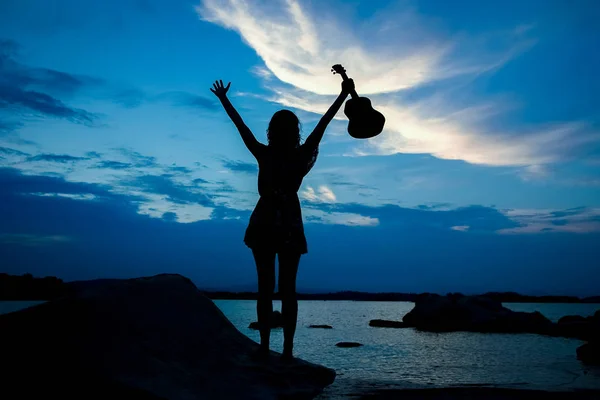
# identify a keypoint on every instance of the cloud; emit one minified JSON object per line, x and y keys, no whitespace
{"x":112,"y":165}
{"x":73,"y":196}
{"x":111,"y":238}
{"x":29,"y":90}
{"x":322,"y":194}
{"x":9,"y":126}
{"x":149,"y":195}
{"x":399,"y":66}
{"x":298,"y":47}
{"x":240,"y":166}
{"x":33,"y":239}
{"x":179,"y":169}
{"x":12,"y":152}
{"x":57,"y":158}
{"x":17,"y":99}
{"x":175,"y":192}
{"x":573,"y":220}
{"x":476,"y":218}
{"x":137,"y":159}
{"x":13,"y":182}
{"x":347,"y":219}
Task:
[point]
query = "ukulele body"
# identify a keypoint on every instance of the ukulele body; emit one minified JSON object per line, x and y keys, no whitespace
{"x":364,"y":121}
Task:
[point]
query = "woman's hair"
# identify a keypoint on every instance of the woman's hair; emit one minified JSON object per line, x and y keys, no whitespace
{"x":284,"y":130}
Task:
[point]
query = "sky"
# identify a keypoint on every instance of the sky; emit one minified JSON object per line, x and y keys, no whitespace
{"x":117,"y":161}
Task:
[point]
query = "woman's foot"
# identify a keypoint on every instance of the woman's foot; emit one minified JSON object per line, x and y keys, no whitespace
{"x":287,"y":356}
{"x":260,"y":354}
{"x":287,"y":353}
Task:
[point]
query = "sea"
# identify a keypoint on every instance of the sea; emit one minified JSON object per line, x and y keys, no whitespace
{"x":409,"y":358}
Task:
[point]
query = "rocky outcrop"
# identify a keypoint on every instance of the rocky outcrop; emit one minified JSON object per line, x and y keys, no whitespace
{"x":480,"y":314}
{"x":145,"y":338}
{"x":472,"y":313}
{"x":384,"y":323}
{"x":578,"y":327}
{"x":589,"y":353}
{"x":276,"y":321}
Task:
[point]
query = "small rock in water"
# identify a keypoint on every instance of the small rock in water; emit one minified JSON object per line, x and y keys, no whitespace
{"x":321,"y":326}
{"x":383,"y":323}
{"x":348,"y":344}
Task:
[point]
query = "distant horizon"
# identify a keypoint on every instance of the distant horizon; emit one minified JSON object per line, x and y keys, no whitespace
{"x":252,"y":288}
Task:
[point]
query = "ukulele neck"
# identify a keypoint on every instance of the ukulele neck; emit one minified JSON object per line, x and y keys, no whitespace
{"x":353,"y":92}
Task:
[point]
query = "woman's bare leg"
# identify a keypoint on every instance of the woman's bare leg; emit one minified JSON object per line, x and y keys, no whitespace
{"x":265,"y":267}
{"x":288,"y":269}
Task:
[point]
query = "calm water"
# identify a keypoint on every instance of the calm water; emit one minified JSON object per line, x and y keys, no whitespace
{"x":421,"y":358}
{"x":408,"y":357}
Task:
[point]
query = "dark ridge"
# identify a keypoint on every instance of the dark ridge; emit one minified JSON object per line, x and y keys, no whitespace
{"x":27,"y":287}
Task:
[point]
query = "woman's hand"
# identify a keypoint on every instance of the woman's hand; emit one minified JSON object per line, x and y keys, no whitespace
{"x":347,"y":86}
{"x":219,"y":90}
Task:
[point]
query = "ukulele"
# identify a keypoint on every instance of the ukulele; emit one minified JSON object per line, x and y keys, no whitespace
{"x":364,"y":121}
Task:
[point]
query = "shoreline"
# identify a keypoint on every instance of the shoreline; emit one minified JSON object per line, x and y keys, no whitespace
{"x":401,"y":297}
{"x":348,"y":388}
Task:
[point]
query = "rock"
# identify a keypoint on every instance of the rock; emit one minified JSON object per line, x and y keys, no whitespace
{"x":145,"y":338}
{"x":276,"y":321}
{"x":569,"y":319}
{"x":472,"y":313}
{"x":589,"y":353}
{"x":575,"y":326}
{"x":348,"y":344}
{"x":321,"y":326}
{"x":383,"y":323}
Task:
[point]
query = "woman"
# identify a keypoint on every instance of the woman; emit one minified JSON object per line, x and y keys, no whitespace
{"x":276,"y":224}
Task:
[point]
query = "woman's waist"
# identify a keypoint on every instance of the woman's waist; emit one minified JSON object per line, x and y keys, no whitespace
{"x":278,"y":195}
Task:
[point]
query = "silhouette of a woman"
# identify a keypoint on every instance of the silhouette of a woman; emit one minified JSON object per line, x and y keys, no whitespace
{"x":276,"y":223}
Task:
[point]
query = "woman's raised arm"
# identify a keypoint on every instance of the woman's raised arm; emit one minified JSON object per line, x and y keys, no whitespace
{"x":316,"y":135}
{"x":247,"y":136}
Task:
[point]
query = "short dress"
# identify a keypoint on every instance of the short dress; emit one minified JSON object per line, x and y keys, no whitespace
{"x":276,"y":222}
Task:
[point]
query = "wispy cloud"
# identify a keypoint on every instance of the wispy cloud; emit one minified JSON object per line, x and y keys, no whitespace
{"x":573,"y":220}
{"x":57,"y":158}
{"x":33,"y":239}
{"x":26,"y":90}
{"x":297,"y":48}
{"x":112,"y":165}
{"x":240,"y":166}
{"x":72,"y":196}
{"x":12,"y":152}
{"x":402,"y":54}
{"x":322,"y":194}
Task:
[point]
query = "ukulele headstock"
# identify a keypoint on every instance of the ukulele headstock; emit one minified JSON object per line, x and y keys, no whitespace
{"x":338,"y":69}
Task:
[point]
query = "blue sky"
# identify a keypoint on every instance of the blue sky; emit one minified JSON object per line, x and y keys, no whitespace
{"x":116,"y":160}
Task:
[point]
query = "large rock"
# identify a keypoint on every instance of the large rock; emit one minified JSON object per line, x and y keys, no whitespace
{"x":575,"y":326}
{"x":472,"y":313}
{"x":589,"y":353}
{"x":145,"y":338}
